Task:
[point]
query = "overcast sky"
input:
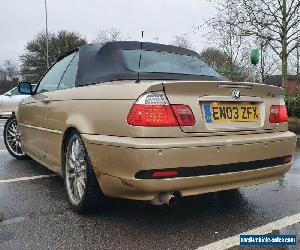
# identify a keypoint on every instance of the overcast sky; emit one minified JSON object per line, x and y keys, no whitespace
{"x":21,"y":20}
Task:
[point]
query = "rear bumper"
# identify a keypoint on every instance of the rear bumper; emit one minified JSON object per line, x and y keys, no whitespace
{"x":116,"y":161}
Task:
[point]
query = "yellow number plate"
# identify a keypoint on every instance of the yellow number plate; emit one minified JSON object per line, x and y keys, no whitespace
{"x":231,"y":112}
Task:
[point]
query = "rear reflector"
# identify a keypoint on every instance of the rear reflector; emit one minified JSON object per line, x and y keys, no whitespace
{"x":287,"y":159}
{"x":170,"y":173}
{"x":278,"y":114}
{"x":153,"y":109}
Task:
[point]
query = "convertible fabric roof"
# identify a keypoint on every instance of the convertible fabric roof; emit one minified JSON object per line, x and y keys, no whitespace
{"x":99,"y":63}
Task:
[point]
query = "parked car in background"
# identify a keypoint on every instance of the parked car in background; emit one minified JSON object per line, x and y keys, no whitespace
{"x":10,"y":100}
{"x":149,"y":122}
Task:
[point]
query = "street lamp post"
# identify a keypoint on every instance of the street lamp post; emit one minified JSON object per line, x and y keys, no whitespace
{"x":47,"y":37}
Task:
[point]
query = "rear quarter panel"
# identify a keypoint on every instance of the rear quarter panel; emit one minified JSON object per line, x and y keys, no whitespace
{"x":97,"y":109}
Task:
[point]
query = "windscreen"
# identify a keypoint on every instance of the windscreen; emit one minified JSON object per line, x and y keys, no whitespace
{"x":166,"y":62}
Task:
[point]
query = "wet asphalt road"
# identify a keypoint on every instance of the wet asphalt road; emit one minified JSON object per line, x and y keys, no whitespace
{"x":37,"y":215}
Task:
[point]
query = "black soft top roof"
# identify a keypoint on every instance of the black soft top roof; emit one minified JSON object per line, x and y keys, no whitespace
{"x":99,"y":63}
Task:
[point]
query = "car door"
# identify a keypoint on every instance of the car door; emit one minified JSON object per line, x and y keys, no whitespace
{"x":32,"y":114}
{"x":11,"y":100}
{"x":57,"y":110}
{"x":6,"y":101}
{"x":3,"y":99}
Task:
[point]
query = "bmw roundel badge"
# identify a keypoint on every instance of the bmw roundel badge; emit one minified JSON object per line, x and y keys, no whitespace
{"x":236,"y":93}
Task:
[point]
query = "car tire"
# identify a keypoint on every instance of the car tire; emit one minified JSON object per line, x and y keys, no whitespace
{"x":12,"y":139}
{"x":81,"y":184}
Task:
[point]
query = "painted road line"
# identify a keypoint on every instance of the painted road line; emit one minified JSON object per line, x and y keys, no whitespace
{"x":268,"y":228}
{"x":27,"y":178}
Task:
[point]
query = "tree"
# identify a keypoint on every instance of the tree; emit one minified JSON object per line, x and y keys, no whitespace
{"x":294,"y":65}
{"x":34,"y":60}
{"x":225,"y":35}
{"x":221,"y":62}
{"x":298,"y":64}
{"x":110,"y":35}
{"x":268,"y":64}
{"x":274,"y":21}
{"x":216,"y":59}
{"x":182,"y":41}
{"x":9,"y":70}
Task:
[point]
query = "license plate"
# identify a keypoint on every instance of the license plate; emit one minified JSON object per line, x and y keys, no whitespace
{"x":231,"y":112}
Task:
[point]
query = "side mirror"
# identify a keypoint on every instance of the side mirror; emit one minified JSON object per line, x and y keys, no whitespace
{"x":25,"y":88}
{"x":8,"y":94}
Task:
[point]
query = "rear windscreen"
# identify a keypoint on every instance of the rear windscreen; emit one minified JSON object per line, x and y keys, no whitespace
{"x":166,"y":62}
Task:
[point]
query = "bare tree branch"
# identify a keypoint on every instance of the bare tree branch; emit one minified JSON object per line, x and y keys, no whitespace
{"x":273,"y":21}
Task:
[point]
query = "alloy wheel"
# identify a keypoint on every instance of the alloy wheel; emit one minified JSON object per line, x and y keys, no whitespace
{"x":75,"y":170}
{"x":13,"y":138}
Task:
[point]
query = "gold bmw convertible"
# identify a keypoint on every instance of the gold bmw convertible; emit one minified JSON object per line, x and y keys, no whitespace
{"x":149,"y":122}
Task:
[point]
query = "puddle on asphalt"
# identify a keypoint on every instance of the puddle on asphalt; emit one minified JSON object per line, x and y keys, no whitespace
{"x":12,"y":221}
{"x":6,"y":236}
{"x":291,"y":178}
{"x":292,"y":230}
{"x":297,"y":153}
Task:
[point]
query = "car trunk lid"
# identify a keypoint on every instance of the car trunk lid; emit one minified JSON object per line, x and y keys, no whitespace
{"x":239,"y":106}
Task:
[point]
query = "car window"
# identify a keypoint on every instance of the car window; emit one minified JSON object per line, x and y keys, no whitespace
{"x":166,"y":62}
{"x":33,"y":86}
{"x":69,"y":78}
{"x":51,"y":80}
{"x":15,"y":91}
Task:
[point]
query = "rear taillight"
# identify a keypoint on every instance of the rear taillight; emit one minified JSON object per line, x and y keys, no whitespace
{"x":151,"y":115}
{"x":153,"y":109}
{"x":184,"y":115}
{"x":287,"y":159}
{"x":278,"y":114}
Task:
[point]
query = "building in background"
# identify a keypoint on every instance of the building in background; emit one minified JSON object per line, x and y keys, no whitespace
{"x":293,"y":82}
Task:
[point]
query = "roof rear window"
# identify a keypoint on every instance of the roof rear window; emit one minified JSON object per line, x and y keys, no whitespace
{"x":166,"y":62}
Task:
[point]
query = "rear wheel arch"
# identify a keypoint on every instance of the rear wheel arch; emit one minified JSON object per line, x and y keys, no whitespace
{"x":93,"y":195}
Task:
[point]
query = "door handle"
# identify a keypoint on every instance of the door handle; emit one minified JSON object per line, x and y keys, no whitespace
{"x":46,"y":100}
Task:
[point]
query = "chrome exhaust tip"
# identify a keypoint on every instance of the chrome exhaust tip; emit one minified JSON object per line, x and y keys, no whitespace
{"x":168,"y":198}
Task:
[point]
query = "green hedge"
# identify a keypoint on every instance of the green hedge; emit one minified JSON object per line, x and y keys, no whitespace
{"x":293,"y":105}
